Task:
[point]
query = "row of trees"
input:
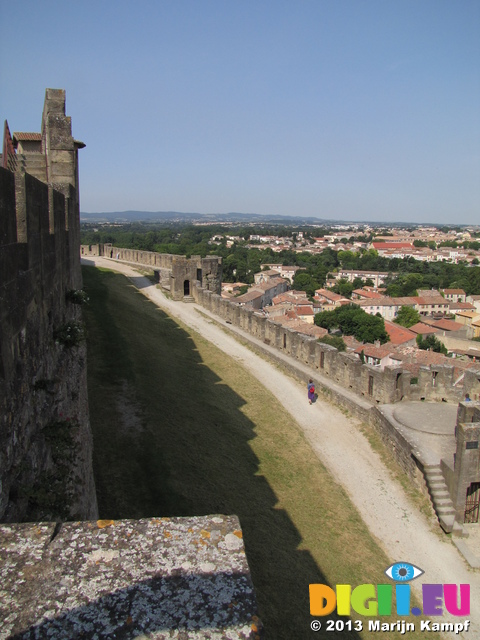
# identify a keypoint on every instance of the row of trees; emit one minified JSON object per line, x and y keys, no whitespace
{"x":472,"y":245}
{"x":240,"y":263}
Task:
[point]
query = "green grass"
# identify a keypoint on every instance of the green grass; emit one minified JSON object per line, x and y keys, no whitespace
{"x":182,"y":429}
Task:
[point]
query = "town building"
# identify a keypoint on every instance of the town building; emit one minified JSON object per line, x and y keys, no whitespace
{"x":377,"y":277}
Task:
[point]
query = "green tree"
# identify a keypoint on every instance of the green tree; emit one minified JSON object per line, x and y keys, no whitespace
{"x":305,"y":282}
{"x":334,"y":341}
{"x":344,"y":288}
{"x":405,"y":285}
{"x":347,"y":259}
{"x":354,"y":321}
{"x":407,"y":316}
{"x":358,"y":283}
{"x":371,"y":329}
{"x":431,"y":343}
{"x":326,"y":320}
{"x":243,"y":289}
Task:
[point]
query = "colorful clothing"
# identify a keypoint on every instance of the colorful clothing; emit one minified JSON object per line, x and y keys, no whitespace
{"x":311,"y":392}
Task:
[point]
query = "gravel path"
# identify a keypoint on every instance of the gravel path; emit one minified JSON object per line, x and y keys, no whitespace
{"x":405,"y":534}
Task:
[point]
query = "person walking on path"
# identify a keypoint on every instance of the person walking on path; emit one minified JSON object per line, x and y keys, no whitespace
{"x":311,"y":391}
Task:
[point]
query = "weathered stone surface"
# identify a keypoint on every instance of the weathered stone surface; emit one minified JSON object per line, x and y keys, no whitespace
{"x":45,"y":439}
{"x":157,"y":578}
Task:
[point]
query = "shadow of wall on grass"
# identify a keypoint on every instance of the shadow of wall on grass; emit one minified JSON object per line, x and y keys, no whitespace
{"x":191,"y":453}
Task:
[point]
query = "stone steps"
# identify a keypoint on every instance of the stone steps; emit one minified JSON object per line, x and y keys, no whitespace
{"x":441,"y":500}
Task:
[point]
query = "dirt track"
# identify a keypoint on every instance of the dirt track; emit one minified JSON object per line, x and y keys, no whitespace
{"x":405,"y":534}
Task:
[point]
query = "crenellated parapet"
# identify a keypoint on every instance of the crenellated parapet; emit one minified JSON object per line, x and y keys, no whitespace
{"x":376,"y":386}
{"x":178,"y":274}
{"x":45,"y":440}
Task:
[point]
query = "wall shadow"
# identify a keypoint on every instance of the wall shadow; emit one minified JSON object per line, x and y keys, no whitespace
{"x":150,"y":607}
{"x":185,"y":449}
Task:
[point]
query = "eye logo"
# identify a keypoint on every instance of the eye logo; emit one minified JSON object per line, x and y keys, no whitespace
{"x":377,"y":600}
{"x":403,"y":571}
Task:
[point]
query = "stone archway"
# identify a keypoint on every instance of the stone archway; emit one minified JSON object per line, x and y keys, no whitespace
{"x":186,"y":287}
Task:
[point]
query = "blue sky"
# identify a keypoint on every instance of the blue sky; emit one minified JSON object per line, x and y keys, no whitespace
{"x":344,"y":109}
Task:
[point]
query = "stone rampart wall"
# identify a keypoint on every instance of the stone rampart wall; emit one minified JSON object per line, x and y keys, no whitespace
{"x":391,"y":385}
{"x":398,"y":445}
{"x":45,"y":441}
{"x":178,"y":274}
{"x":353,"y":386}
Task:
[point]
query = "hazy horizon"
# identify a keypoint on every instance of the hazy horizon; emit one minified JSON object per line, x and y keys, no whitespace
{"x":334,"y":109}
{"x":334,"y":221}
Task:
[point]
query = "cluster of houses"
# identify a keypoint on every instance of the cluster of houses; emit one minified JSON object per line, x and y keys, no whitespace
{"x":449,"y":315}
{"x":399,"y":243}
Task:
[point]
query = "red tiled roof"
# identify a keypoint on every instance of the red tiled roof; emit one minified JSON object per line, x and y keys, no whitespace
{"x":412,"y":359}
{"x":383,"y":301}
{"x":375,"y":352}
{"x":423,"y":328}
{"x":270,"y":284}
{"x":428,"y":293}
{"x":23,"y":135}
{"x":367,"y":294}
{"x":330,"y":295}
{"x":464,"y":306}
{"x":305,"y":310}
{"x":448,"y":325}
{"x":421,"y":357}
{"x":292,"y":297}
{"x":398,"y":334}
{"x":438,"y":300}
{"x":302,"y":327}
{"x":249,"y":296}
{"x":406,"y":300}
{"x":392,"y":245}
{"x":350,"y":342}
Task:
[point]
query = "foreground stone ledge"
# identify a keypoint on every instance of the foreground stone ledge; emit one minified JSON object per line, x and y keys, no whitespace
{"x":154,"y":578}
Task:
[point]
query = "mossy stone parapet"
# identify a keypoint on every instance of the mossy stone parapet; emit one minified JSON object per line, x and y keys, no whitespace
{"x":158,"y":577}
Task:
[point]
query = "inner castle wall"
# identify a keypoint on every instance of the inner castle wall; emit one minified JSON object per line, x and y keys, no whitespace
{"x":178,"y":274}
{"x":435,"y":383}
{"x":393,"y":384}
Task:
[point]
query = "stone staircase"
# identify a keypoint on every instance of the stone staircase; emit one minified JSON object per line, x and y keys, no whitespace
{"x":188,"y":299}
{"x":441,"y":500}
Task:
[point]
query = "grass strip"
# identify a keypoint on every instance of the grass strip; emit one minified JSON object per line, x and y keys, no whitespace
{"x":182,"y":429}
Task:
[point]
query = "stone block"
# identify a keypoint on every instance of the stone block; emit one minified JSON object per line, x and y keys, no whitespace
{"x":184,"y":577}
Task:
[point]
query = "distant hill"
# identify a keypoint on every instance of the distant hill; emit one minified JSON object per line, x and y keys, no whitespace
{"x":233,"y":217}
{"x":136,"y":216}
{"x":176,"y":216}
